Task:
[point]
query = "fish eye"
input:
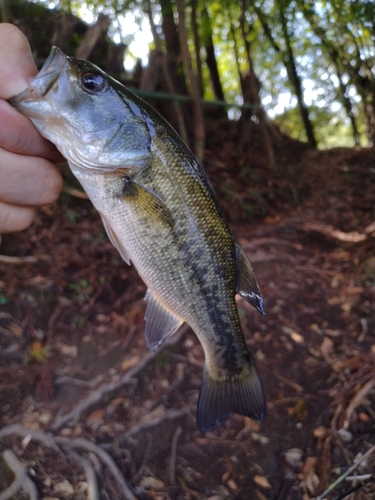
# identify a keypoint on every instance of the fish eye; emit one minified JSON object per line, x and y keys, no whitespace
{"x":93,"y":82}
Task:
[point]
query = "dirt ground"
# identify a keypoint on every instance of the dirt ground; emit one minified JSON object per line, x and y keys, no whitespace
{"x":88,"y":412}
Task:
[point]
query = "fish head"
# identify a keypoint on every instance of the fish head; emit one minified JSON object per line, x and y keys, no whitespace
{"x":83,"y":111}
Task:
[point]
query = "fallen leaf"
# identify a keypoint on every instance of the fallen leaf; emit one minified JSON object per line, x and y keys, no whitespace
{"x":232,"y":485}
{"x":320,"y":432}
{"x":129,"y":363}
{"x":151,"y":483}
{"x":293,"y":457}
{"x":261,"y":481}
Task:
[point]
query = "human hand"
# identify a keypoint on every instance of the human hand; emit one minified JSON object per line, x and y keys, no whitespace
{"x":28,"y":176}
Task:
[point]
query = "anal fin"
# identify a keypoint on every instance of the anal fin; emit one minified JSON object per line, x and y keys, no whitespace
{"x":220,"y":399}
{"x":160,"y":323}
{"x":247,"y":285}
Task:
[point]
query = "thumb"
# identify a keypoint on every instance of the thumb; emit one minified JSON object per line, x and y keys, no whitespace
{"x":17,"y":63}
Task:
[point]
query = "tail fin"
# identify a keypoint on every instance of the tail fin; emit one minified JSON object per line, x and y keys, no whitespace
{"x":220,"y":399}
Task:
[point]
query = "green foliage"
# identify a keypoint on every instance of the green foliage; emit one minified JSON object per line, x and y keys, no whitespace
{"x":3,"y":300}
{"x":331,"y":44}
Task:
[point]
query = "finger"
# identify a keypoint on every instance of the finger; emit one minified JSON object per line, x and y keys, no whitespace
{"x":18,"y":135}
{"x":20,"y":67}
{"x":14,"y":218}
{"x":28,"y":180}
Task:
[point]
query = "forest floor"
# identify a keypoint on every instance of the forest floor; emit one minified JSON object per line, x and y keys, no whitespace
{"x":85,"y":406}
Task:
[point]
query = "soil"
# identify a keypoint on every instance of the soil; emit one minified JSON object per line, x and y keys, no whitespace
{"x":72,"y":328}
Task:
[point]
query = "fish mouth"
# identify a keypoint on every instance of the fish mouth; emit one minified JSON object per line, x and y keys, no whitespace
{"x":45,"y":79}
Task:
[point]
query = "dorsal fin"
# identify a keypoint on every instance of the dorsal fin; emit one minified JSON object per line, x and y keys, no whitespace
{"x":247,"y":285}
{"x":160,"y":323}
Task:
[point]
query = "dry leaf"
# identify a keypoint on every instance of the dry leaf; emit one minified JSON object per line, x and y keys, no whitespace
{"x":293,"y":457}
{"x":96,"y":418}
{"x":232,"y":485}
{"x":326,"y":349}
{"x":261,"y":481}
{"x":151,"y":483}
{"x":320,"y":432}
{"x":129,"y":363}
{"x":16,"y":329}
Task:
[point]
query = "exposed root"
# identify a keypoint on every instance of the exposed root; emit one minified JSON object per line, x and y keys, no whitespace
{"x":55,"y":442}
{"x":351,"y":469}
{"x":148,"y":424}
{"x":21,"y":480}
{"x":172,"y":459}
{"x":86,"y":445}
{"x":47,"y":439}
{"x":97,"y":395}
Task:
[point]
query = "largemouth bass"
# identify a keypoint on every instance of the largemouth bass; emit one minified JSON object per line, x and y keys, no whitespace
{"x":160,"y":212}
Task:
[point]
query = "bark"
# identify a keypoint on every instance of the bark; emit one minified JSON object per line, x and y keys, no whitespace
{"x":197,"y":45}
{"x":291,"y":68}
{"x":211,"y":57}
{"x":64,"y":27}
{"x":172,"y":45}
{"x":295,"y":80}
{"x":347,"y":104}
{"x":115,"y":61}
{"x":359,"y":73}
{"x":194,"y":87}
{"x":250,"y":85}
{"x":94,"y":36}
{"x":152,"y":77}
{"x":4,"y":12}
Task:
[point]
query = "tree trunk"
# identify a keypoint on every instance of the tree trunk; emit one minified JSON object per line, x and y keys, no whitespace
{"x":211,"y":57}
{"x":194,"y":87}
{"x":197,"y":45}
{"x":296,"y":80}
{"x":250,"y":85}
{"x":65,"y":25}
{"x":159,"y":58}
{"x":115,"y":61}
{"x":346,"y":102}
{"x":94,"y":36}
{"x":172,"y":45}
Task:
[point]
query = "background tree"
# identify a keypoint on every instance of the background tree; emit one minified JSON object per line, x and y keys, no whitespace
{"x":313,"y":64}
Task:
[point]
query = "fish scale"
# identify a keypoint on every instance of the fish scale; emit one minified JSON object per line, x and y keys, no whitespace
{"x":160,"y":212}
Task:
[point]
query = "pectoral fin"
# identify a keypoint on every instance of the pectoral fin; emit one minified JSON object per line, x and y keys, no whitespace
{"x":114,"y":240}
{"x":160,"y":323}
{"x":146,"y":202}
{"x":247,"y":285}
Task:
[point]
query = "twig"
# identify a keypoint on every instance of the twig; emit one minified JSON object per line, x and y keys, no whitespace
{"x":340,"y":479}
{"x":93,"y":491}
{"x":6,"y":332}
{"x":64,"y":379}
{"x":172,"y":460}
{"x":21,"y":480}
{"x":357,"y":400}
{"x":149,"y":424}
{"x":85,"y":445}
{"x":97,"y":395}
{"x":363,"y":477}
{"x":77,"y":193}
{"x":257,"y":242}
{"x":47,"y":439}
{"x":349,"y":492}
{"x":17,"y":260}
{"x":290,"y":383}
{"x":78,"y":443}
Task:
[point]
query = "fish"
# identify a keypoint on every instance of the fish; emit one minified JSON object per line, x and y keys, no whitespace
{"x":160,"y":211}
